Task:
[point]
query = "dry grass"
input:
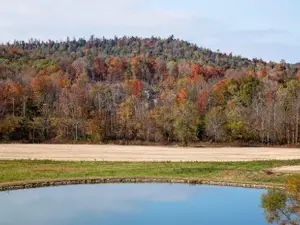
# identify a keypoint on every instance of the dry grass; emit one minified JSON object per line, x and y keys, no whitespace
{"x":142,"y":153}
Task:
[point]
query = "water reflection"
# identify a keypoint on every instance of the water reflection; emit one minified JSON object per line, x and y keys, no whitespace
{"x":132,"y":204}
{"x":283,"y":206}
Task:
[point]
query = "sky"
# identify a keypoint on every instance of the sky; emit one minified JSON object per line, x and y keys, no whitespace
{"x":267,"y":29}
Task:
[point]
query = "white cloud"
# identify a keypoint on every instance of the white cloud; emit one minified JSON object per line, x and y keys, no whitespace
{"x":215,"y":24}
{"x":57,"y":19}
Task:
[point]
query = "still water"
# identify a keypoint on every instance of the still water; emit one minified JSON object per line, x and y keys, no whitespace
{"x":132,"y":204}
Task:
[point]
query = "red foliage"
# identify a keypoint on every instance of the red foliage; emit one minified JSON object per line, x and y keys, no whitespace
{"x":116,"y":65}
{"x":2,"y":94}
{"x":197,"y":69}
{"x":207,"y":73}
{"x":202,"y":101}
{"x":137,"y":87}
{"x":100,"y":67}
{"x":270,"y":96}
{"x":87,"y":46}
{"x":261,"y":73}
{"x":212,"y":72}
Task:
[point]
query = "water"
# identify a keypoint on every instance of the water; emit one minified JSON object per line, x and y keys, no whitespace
{"x":132,"y":204}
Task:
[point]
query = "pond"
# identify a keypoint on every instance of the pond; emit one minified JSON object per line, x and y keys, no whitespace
{"x":130,"y":204}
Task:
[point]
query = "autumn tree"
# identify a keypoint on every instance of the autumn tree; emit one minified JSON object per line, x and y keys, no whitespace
{"x":215,"y":124}
{"x":185,"y":124}
{"x":283,"y":206}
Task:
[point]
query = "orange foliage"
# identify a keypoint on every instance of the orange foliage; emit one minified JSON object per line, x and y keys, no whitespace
{"x":261,"y":73}
{"x":116,"y":65}
{"x":40,"y":84}
{"x":220,"y":89}
{"x":51,"y":69}
{"x":182,"y":96}
{"x":14,"y":51}
{"x":251,"y":73}
{"x":13,"y":88}
{"x":42,"y":73}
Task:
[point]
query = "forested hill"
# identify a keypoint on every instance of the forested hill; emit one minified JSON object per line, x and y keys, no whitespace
{"x":152,"y":89}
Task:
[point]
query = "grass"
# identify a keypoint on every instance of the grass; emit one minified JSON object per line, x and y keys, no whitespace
{"x":250,"y":172}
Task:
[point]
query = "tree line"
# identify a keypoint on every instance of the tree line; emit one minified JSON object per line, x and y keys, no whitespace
{"x":133,"y":89}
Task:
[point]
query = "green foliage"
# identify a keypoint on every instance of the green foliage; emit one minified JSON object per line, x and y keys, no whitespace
{"x":274,"y":203}
{"x":201,"y":129}
{"x":236,"y":129}
{"x":283,"y":206}
{"x":247,"y":88}
{"x":185,"y":123}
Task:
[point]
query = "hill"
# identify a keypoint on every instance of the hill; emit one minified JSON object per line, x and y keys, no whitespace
{"x":151,"y":89}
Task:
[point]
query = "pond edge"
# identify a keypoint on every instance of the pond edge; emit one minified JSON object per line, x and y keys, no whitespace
{"x":53,"y":183}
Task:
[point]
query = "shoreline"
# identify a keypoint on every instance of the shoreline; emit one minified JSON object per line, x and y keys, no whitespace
{"x":12,"y":186}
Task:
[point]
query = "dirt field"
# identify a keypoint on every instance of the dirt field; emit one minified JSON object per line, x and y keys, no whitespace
{"x":288,"y":169}
{"x":142,"y":153}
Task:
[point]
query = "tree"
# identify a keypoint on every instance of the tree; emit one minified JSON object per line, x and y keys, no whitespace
{"x":72,"y":108}
{"x":283,"y":206}
{"x":202,"y":102}
{"x":127,"y":126}
{"x":185,"y":122}
{"x":214,"y":124}
{"x":8,"y":125}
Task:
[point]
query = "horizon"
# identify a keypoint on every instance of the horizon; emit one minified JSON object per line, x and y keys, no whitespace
{"x":256,"y":29}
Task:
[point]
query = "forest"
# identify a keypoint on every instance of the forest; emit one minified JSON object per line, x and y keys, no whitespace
{"x":130,"y":89}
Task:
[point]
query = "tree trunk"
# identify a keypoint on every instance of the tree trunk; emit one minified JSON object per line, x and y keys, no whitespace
{"x":262,"y":126}
{"x":274,"y":123}
{"x":297,"y":124}
{"x":76,"y":131}
{"x":288,"y":134}
{"x":13,"y":107}
{"x":24,"y":108}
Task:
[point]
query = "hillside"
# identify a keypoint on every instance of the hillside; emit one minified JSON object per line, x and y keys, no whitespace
{"x":152,"y":89}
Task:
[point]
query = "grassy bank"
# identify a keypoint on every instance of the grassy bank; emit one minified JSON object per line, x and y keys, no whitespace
{"x":250,"y":172}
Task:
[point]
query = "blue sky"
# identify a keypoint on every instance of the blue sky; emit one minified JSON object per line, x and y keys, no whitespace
{"x":267,"y":29}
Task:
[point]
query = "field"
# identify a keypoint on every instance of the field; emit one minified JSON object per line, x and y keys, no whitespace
{"x":27,"y":163}
{"x":142,"y":153}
